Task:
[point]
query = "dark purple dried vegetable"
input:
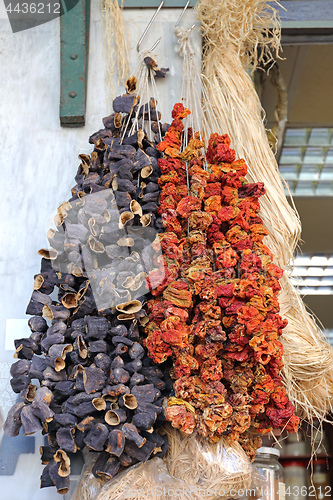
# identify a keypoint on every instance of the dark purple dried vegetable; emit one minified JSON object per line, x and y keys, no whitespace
{"x":106,"y":466}
{"x":97,"y":388}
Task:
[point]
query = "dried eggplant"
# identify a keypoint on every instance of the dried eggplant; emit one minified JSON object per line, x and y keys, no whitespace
{"x":84,"y":346}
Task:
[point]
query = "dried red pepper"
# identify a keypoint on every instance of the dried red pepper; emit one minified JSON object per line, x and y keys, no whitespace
{"x":217,"y":312}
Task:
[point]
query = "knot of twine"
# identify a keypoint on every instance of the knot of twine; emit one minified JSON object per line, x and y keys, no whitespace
{"x":184,"y":44}
{"x":147,"y":53}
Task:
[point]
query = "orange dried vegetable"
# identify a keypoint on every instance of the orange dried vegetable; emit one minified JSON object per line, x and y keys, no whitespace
{"x":159,"y":350}
{"x":217,"y":312}
{"x":178,"y":293}
{"x":170,"y":177}
{"x":193,"y":150}
{"x":213,"y":204}
{"x":187,"y":205}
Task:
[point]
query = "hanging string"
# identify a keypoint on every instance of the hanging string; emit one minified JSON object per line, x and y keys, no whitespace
{"x":148,"y":101}
{"x":194,"y":91}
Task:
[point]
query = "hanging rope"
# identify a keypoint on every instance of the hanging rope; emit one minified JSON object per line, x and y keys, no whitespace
{"x":148,"y":109}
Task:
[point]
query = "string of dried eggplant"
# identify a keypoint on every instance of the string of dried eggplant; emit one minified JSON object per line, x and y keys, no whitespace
{"x":83,"y":376}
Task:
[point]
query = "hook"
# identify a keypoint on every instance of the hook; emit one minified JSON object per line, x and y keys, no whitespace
{"x":182,"y":13}
{"x":148,"y":28}
{"x":155,"y":44}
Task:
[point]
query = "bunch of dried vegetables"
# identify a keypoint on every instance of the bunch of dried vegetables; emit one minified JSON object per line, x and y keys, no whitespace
{"x":83,"y":376}
{"x":238,"y":36}
{"x":213,"y":312}
{"x":216,"y":311}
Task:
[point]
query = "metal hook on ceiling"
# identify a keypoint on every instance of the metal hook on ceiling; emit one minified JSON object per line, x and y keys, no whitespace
{"x":148,"y":28}
{"x":181,"y":15}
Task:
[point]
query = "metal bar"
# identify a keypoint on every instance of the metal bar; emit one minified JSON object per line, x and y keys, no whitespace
{"x":308,"y":39}
{"x":294,"y":14}
{"x":74,"y":45}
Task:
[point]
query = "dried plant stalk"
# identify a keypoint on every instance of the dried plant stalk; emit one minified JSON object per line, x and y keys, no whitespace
{"x":141,"y":478}
{"x":308,"y":370}
{"x":152,"y":481}
{"x":89,"y":486}
{"x":208,"y":466}
{"x":115,"y":46}
{"x":250,"y":28}
{"x":239,"y":35}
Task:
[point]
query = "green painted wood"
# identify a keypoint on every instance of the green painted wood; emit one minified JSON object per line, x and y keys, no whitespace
{"x":74,"y":45}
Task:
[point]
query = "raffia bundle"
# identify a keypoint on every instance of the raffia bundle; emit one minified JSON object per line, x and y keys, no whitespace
{"x":149,"y":481}
{"x":212,"y":467}
{"x":308,"y":370}
{"x":115,"y":46}
{"x":125,"y":485}
{"x":88,"y":486}
{"x":193,"y":470}
{"x":237,"y":36}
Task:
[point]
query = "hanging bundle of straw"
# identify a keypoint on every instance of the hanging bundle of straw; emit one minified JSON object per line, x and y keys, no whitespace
{"x":212,"y":467}
{"x":308,"y":370}
{"x":239,"y":35}
{"x":115,"y":46}
{"x":88,"y":486}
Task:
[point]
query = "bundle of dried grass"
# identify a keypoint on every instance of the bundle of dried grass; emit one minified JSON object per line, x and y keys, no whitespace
{"x":128,"y":484}
{"x":191,"y":472}
{"x":88,"y":486}
{"x":212,"y":467}
{"x":308,"y":370}
{"x":239,"y":35}
{"x":149,"y":481}
{"x":115,"y":46}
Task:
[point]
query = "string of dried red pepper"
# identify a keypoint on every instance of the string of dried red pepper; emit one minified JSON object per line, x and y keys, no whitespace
{"x":216,"y":312}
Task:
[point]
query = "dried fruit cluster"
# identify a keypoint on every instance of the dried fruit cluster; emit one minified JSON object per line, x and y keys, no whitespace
{"x":216,"y":312}
{"x":83,"y":376}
